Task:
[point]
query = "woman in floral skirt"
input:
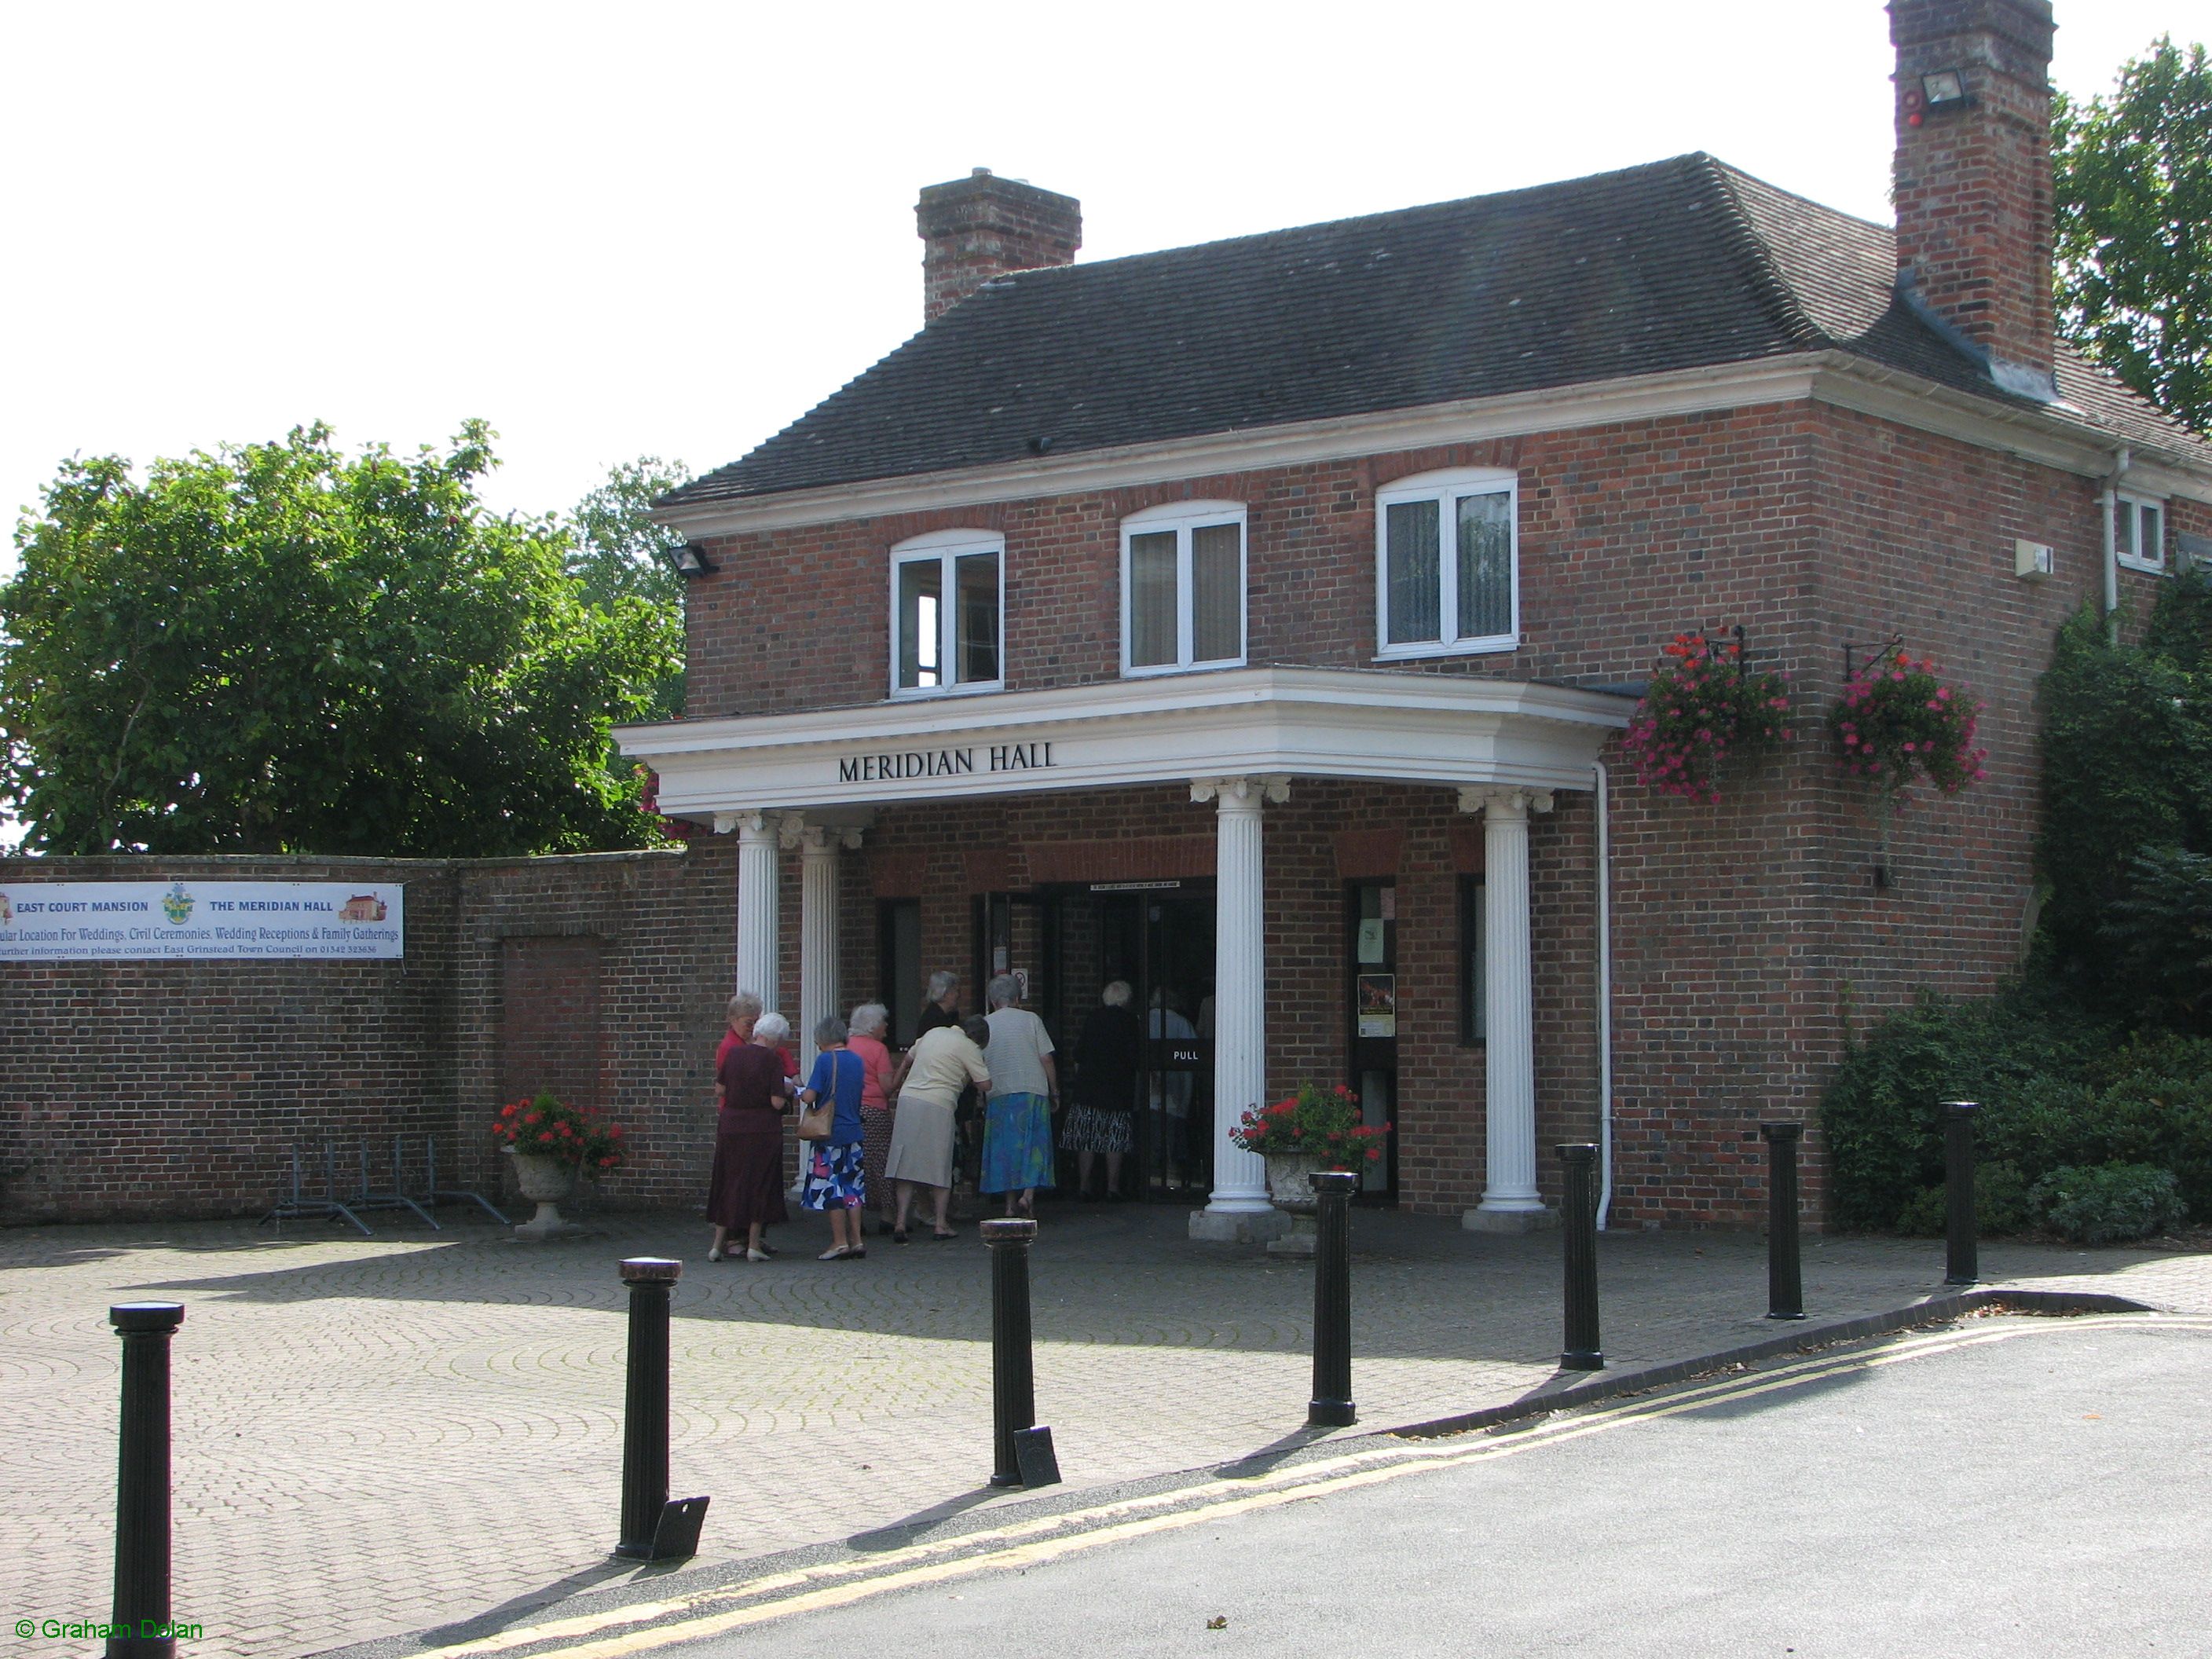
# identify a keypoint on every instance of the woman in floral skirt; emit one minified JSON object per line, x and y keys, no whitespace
{"x":835,"y":1170}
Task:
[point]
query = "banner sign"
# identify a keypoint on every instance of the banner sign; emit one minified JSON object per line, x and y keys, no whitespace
{"x":187,"y":921}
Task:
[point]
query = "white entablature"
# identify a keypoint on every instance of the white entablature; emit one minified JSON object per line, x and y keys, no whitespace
{"x":1307,"y":722}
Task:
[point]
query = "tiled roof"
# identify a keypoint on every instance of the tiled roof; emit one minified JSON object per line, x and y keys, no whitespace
{"x":1678,"y":264}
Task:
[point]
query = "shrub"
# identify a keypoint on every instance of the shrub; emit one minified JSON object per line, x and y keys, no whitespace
{"x":2109,"y":1201}
{"x":1878,"y":1118}
{"x":2001,"y":1205}
{"x":2057,"y":1090}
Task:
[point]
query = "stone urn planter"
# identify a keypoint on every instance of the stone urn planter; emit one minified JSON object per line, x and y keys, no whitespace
{"x":545,"y":1181}
{"x":1290,"y":1185}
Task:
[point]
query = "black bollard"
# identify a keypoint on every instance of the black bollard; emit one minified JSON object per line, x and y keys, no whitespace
{"x":1963,"y":1262}
{"x":142,"y":1481}
{"x":1331,"y":1407}
{"x":1785,"y":1281}
{"x":1578,"y":1227}
{"x":1013,"y":1380}
{"x":645,"y":1403}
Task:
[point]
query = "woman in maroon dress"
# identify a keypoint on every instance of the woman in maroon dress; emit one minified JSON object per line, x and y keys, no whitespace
{"x":746,"y":1188}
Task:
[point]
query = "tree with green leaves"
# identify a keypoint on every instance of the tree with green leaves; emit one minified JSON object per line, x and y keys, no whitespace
{"x":621,"y":553}
{"x":2133,"y":176}
{"x":2127,"y":811}
{"x":282,"y":648}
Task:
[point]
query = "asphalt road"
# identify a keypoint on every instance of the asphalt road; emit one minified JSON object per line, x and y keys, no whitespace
{"x":2013,"y":1486}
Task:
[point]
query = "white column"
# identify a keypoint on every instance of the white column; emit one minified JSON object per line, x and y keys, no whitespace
{"x":818,"y":984}
{"x":1240,"y":986}
{"x":1508,"y":1001}
{"x":757,"y":913}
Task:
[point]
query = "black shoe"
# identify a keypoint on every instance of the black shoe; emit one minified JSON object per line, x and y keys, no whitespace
{"x":898,"y":1234}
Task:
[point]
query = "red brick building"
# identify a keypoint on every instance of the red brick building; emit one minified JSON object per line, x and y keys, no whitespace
{"x":1255,"y":623}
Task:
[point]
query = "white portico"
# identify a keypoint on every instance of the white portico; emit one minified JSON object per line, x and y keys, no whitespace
{"x":1238,"y":738}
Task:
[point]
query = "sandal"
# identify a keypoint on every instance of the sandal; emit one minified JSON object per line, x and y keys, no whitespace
{"x":835,"y":1253}
{"x":898,"y":1234}
{"x":859,"y":1252}
{"x":716,"y":1253}
{"x":941,"y":1237}
{"x":755,"y":1255}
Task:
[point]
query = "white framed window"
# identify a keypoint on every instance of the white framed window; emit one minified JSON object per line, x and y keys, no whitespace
{"x":1447,"y":563}
{"x":2139,"y":533}
{"x":1183,"y":588}
{"x":948,"y":613}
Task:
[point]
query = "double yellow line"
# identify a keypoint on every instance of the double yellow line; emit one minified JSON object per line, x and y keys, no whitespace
{"x":642,"y":1627}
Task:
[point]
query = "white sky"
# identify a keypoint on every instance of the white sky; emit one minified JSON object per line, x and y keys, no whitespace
{"x":668,"y":228}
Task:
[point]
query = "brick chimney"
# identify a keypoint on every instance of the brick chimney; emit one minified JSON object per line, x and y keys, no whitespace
{"x":983,"y":226}
{"x":1973,"y":176}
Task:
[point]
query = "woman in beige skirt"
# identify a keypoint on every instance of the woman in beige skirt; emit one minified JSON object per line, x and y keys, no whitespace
{"x":928,"y":1082}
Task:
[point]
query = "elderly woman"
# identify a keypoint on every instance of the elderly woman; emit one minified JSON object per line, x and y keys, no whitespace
{"x":745,"y":1189}
{"x":929,"y":1080}
{"x":832,"y":1176}
{"x":1106,"y":1057}
{"x":871,"y":1024}
{"x":1024,"y":1088}
{"x":943,"y":1005}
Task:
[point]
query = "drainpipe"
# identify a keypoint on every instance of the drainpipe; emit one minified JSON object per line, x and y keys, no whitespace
{"x":2121,"y":461}
{"x":1604,"y":1004}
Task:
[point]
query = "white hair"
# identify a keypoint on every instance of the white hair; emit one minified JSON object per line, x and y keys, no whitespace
{"x":746,"y":1005}
{"x":1116,"y":993}
{"x":1004,"y":991}
{"x":870,"y":1017}
{"x":771,"y":1028}
{"x":941,"y":983}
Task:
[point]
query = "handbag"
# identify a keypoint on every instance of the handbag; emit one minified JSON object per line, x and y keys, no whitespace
{"x":817,"y":1119}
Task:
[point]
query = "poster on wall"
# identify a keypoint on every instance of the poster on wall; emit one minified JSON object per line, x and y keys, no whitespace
{"x":1378,"y":1004}
{"x":189,"y":921}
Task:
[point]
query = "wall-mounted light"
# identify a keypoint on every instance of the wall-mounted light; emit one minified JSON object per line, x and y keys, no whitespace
{"x":1939,"y":92}
{"x":689,"y":561}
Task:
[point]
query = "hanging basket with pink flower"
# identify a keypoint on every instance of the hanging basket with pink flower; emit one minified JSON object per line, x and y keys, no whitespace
{"x":1704,"y":703}
{"x":1898,"y":724}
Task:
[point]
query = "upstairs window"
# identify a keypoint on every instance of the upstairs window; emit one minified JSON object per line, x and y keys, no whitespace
{"x":1183,"y":588}
{"x":1448,"y":564}
{"x":948,"y":613}
{"x":2139,"y":533}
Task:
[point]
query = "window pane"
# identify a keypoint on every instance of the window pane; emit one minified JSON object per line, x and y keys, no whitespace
{"x":1216,"y":592}
{"x":1152,"y":599}
{"x":1416,"y":604}
{"x":977,"y":574}
{"x":1486,"y":566}
{"x":2124,"y":529}
{"x":2153,"y":543}
{"x":1474,"y":1020}
{"x":921,"y":586}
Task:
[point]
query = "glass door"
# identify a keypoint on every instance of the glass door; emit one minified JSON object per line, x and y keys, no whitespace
{"x":1176,"y":1135}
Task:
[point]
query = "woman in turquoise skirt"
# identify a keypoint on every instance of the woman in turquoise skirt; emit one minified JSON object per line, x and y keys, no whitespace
{"x":1024,"y":1087}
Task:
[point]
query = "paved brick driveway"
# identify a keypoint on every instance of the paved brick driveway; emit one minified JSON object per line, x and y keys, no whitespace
{"x":374,"y":1435}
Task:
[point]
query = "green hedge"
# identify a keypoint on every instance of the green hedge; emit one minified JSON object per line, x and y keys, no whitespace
{"x":2057,"y":1090}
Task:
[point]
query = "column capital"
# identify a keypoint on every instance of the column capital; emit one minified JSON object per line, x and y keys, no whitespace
{"x":750,"y":825}
{"x":790,"y":830}
{"x":1504,"y":803}
{"x":1243,"y":792}
{"x":849,"y":837}
{"x":814,"y":840}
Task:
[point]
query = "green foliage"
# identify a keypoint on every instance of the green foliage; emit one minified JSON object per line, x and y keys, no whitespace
{"x":2161,"y":932}
{"x":2001,"y":1205}
{"x":2132,"y":176}
{"x":1879,"y":1115}
{"x":622,"y":554}
{"x":2057,"y":1090}
{"x":2109,"y":1202}
{"x":283,"y":648}
{"x":2127,"y":769}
